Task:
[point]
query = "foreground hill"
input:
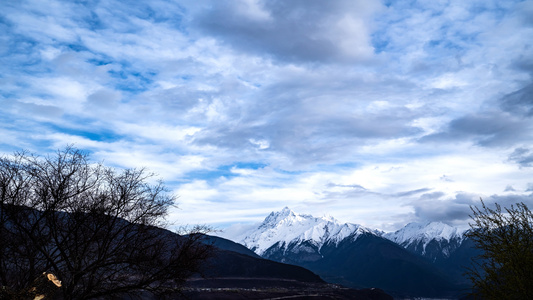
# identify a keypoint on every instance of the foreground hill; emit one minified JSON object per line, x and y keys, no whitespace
{"x":234,"y":272}
{"x":231,"y":270}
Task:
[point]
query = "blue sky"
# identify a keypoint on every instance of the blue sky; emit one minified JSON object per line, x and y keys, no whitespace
{"x":377,"y":113}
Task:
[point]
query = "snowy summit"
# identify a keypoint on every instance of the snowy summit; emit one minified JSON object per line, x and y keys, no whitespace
{"x":424,"y":232}
{"x":433,"y":240}
{"x":288,"y":227}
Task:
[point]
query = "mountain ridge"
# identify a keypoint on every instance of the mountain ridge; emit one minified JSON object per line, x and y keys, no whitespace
{"x":407,"y":262}
{"x":415,"y":236}
{"x":285,"y":227}
{"x":433,"y":240}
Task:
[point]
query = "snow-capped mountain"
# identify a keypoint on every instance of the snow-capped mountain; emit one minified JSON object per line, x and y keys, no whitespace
{"x":286,"y":229}
{"x":298,"y":233}
{"x":434,"y":240}
{"x":348,"y":253}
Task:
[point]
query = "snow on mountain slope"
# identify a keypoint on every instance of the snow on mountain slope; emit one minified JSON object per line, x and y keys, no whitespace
{"x":417,"y":236}
{"x":286,"y":227}
{"x":355,"y":255}
{"x":286,"y":232}
{"x":424,"y":232}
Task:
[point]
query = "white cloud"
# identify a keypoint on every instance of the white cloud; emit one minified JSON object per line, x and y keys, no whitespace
{"x":254,"y":10}
{"x":246,"y":107}
{"x":261,"y":144}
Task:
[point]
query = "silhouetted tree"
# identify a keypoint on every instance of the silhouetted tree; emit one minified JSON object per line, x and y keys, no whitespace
{"x":95,"y":228}
{"x":504,"y":270}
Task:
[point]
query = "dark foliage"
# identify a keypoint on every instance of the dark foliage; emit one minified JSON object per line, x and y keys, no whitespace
{"x":504,"y":269}
{"x":95,"y":228}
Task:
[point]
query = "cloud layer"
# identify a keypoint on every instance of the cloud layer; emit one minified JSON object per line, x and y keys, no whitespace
{"x":376,"y":113}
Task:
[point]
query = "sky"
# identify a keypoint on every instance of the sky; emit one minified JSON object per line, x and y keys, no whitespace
{"x":378,"y":113}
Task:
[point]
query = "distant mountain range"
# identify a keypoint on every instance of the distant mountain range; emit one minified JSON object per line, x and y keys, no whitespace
{"x":421,"y":259}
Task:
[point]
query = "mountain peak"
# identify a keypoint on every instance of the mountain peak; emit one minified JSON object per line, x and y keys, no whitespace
{"x":276,"y":217}
{"x":424,"y":232}
{"x":286,"y":227}
{"x":286,"y":212}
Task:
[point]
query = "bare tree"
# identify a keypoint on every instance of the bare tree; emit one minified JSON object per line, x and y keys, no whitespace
{"x":97,"y":229}
{"x":504,"y":270}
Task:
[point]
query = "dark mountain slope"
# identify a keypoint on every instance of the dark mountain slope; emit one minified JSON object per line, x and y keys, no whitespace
{"x":372,"y":261}
{"x":231,"y":264}
{"x":233,"y":275}
{"x":225,"y":244}
{"x":458,"y":262}
{"x":231,"y":259}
